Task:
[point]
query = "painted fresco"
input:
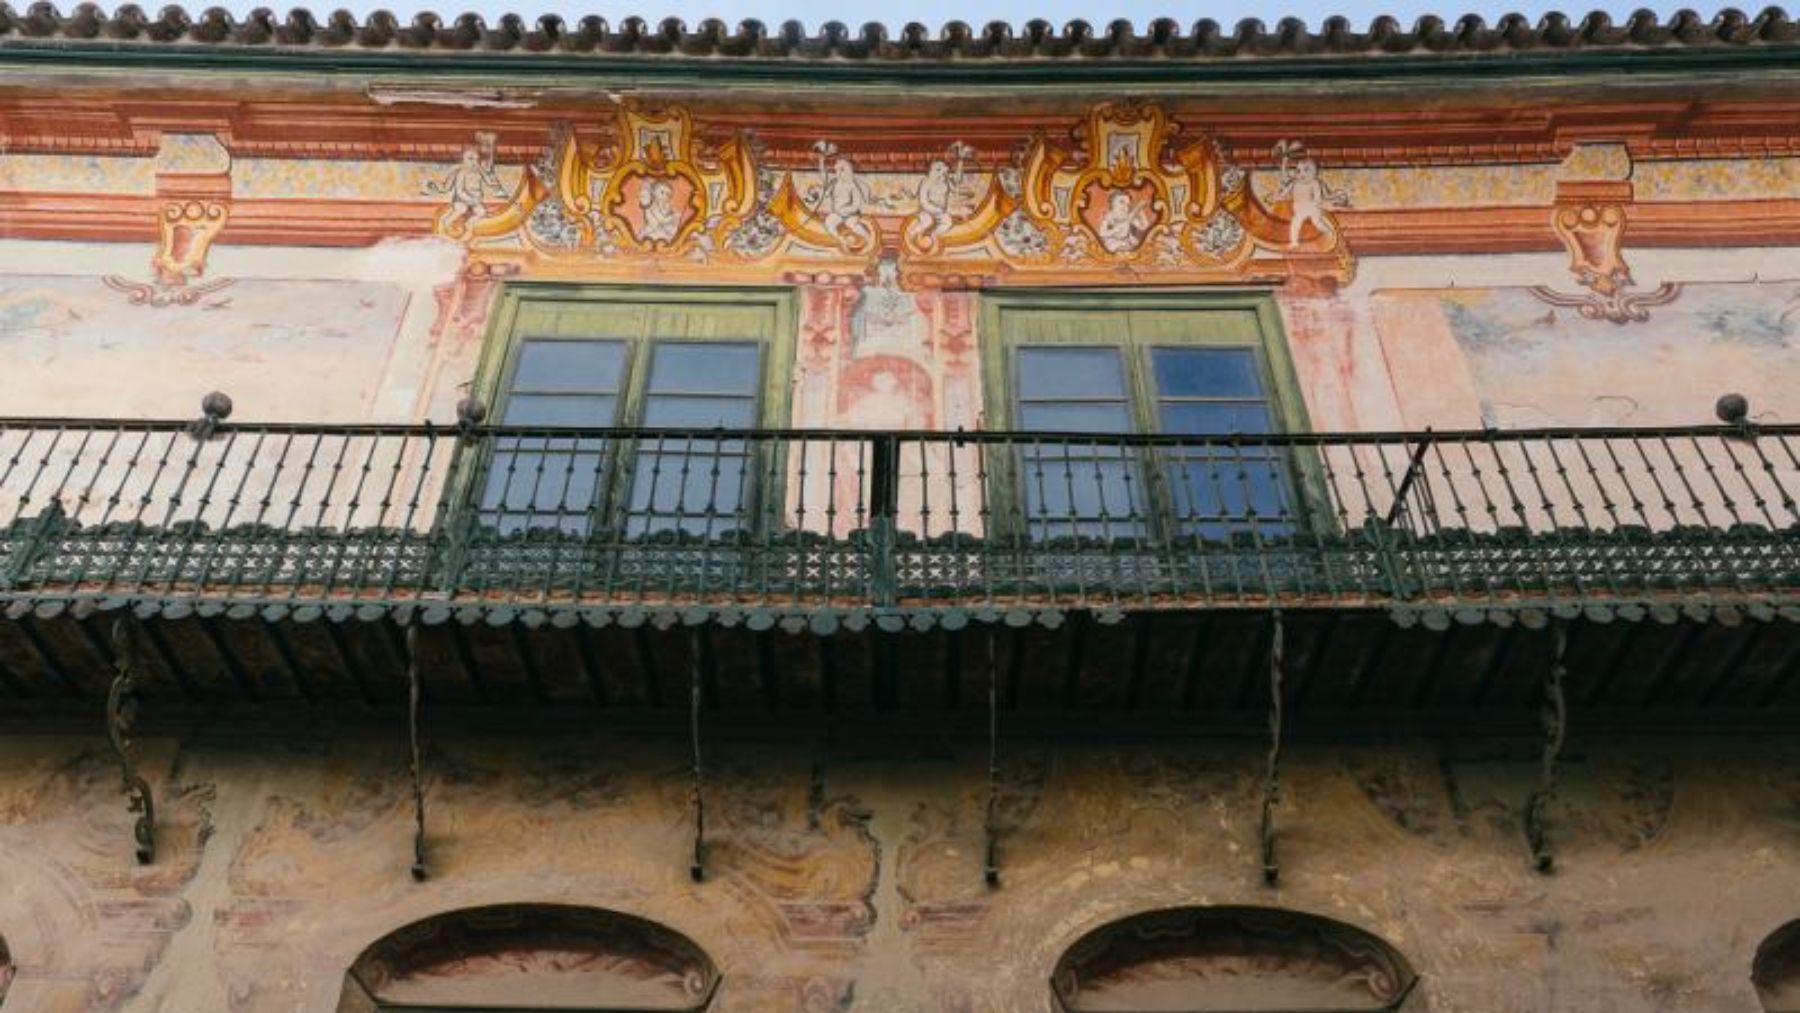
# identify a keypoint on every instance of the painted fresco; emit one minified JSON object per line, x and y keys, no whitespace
{"x":888,"y":227}
{"x":87,"y":347}
{"x":1123,"y":192}
{"x":846,"y":874}
{"x":1531,"y":364}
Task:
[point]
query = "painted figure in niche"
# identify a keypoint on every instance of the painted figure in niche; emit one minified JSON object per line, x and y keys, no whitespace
{"x":887,"y":319}
{"x":661,"y":218}
{"x":944,"y":196}
{"x":843,"y":199}
{"x":1126,"y":222}
{"x":469,"y":186}
{"x":1311,"y":197}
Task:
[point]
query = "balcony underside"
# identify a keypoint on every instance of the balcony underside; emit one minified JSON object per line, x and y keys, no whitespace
{"x":1168,"y":662}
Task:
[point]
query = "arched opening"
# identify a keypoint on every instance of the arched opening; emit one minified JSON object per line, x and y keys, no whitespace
{"x":1776,"y":972}
{"x":1243,"y":959}
{"x":535,"y":956}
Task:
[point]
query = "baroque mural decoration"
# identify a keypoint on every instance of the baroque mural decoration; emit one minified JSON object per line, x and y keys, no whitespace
{"x":1127,"y":195}
{"x":1589,"y":220}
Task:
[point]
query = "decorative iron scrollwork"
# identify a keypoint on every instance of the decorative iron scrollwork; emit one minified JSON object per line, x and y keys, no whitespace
{"x":414,"y":744}
{"x":121,"y":714}
{"x":1555,"y":717}
{"x":1271,"y":794}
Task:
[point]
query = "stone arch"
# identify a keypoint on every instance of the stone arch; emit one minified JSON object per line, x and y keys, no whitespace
{"x":1776,"y":970}
{"x":549,"y":956}
{"x":1197,"y":959}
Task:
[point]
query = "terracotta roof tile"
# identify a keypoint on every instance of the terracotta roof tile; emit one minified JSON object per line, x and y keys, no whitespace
{"x":1119,"y":41}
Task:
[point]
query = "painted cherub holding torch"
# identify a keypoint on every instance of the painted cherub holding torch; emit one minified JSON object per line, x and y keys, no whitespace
{"x":1311,"y":198}
{"x":469,"y":185}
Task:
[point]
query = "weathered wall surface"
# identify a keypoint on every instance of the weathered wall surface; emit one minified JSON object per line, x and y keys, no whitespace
{"x":846,"y":874}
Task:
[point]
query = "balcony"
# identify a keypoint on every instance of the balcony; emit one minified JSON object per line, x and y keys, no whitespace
{"x":821,"y":528}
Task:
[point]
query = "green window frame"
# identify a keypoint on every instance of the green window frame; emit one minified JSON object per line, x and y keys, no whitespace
{"x":1108,"y":493}
{"x":645,"y":485}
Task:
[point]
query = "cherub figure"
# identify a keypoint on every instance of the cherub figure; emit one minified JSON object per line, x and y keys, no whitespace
{"x":469,"y":185}
{"x":843,"y":198}
{"x":1122,"y":229}
{"x":661,"y":218}
{"x":1311,"y":196}
{"x":941,"y":195}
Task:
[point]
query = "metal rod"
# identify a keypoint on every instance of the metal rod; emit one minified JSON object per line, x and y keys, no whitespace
{"x":698,"y":867}
{"x":1555,"y":717}
{"x":1271,"y":794}
{"x":121,"y":714}
{"x":991,"y":852}
{"x":413,"y":695}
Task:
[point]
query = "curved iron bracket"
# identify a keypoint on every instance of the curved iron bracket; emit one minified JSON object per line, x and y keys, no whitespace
{"x":1555,"y":717}
{"x":1271,"y":794}
{"x":990,"y":867}
{"x":697,"y":869}
{"x":121,"y":715}
{"x":417,"y":752}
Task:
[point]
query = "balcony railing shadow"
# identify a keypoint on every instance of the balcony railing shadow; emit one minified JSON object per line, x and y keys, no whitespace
{"x":262,"y":513}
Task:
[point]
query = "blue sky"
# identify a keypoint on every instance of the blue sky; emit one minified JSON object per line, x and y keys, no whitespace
{"x":813,"y":13}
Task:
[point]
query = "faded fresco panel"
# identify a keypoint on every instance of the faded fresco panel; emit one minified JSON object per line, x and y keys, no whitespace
{"x":1528,"y":364}
{"x":75,"y":346}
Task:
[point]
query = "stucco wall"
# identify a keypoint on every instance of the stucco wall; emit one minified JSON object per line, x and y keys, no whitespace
{"x":845,"y":870}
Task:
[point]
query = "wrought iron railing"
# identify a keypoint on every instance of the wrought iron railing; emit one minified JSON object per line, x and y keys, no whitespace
{"x":802,"y":521}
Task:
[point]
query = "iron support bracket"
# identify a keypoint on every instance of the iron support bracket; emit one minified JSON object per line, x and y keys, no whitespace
{"x":1555,"y":716}
{"x":417,"y":753}
{"x":1271,"y":794}
{"x":121,"y":714}
{"x":697,"y":869}
{"x":990,"y":833}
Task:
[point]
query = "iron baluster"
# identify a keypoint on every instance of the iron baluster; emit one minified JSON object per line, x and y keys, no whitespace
{"x":1271,"y":793}
{"x":884,"y":505}
{"x":121,"y":715}
{"x":1555,"y":716}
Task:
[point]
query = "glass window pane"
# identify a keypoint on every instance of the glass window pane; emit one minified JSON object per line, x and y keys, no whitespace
{"x":700,"y":492}
{"x":1057,"y":417}
{"x":1207,"y":487}
{"x":714,"y":368}
{"x":569,"y":365}
{"x":1207,"y":418}
{"x":1206,"y":372}
{"x":559,"y":410}
{"x":1097,"y":497}
{"x":670,"y":411}
{"x":537,"y":489}
{"x":1049,"y":372}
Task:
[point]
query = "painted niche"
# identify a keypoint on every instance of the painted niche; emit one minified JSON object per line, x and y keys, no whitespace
{"x":559,"y":957}
{"x":1124,"y":193}
{"x":1195,"y":959}
{"x":1776,"y":972}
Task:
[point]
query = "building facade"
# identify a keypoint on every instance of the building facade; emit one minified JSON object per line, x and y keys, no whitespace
{"x":626,"y":517}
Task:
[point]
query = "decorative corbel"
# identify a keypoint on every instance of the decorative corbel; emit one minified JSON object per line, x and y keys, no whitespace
{"x":1555,"y":716}
{"x":121,"y":714}
{"x":1271,"y":793}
